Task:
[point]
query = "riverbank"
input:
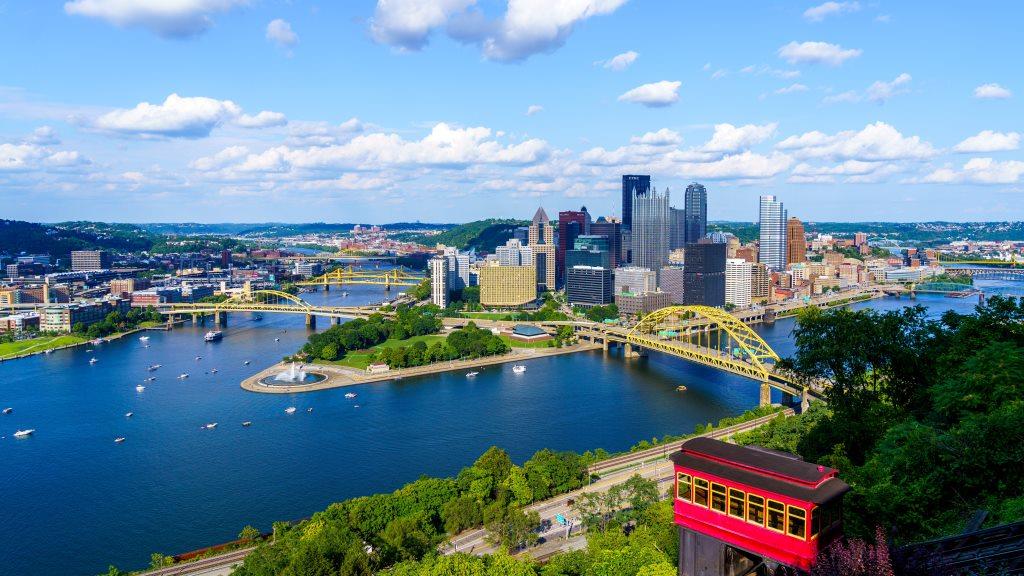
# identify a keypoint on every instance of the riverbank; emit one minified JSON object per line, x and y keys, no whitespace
{"x":65,"y":341}
{"x":341,"y":376}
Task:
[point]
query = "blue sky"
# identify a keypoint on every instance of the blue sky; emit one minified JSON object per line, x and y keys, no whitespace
{"x":453,"y":110}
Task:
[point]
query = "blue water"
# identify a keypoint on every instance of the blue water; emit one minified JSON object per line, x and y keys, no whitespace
{"x":73,"y":501}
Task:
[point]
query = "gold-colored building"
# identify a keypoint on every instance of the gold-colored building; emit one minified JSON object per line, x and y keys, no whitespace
{"x":541,"y":241}
{"x":508,"y":286}
{"x":796,"y":242}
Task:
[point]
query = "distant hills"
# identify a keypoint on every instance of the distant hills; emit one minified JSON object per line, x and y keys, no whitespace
{"x":59,"y":240}
{"x":482,"y":235}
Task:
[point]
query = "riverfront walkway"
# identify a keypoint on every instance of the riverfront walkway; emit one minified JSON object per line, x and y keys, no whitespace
{"x":341,"y":376}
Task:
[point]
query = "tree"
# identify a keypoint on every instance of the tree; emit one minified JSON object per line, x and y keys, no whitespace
{"x":514,"y":528}
{"x":329,"y":352}
{"x":158,"y":560}
{"x":405,"y":538}
{"x":461,"y":513}
{"x":249,"y":533}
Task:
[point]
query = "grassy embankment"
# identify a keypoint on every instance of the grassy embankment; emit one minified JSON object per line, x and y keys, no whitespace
{"x":32,"y":345}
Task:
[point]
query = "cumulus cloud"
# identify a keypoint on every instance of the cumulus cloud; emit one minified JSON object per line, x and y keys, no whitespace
{"x":881,"y":91}
{"x":746,"y":165}
{"x":817,"y":53}
{"x":989,"y":141}
{"x":991,"y":92}
{"x":619,"y":62}
{"x":527,"y":27}
{"x":43,"y":136}
{"x":977,"y":171}
{"x":27,"y":157}
{"x":182,"y":117}
{"x":795,"y":87}
{"x":167,"y":18}
{"x":534,"y":109}
{"x":663,"y":137}
{"x":822,"y":11}
{"x":280,"y":32}
{"x":875,"y":142}
{"x":729,"y":138}
{"x":654,"y":95}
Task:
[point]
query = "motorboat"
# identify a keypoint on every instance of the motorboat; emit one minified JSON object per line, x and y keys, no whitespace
{"x":210,"y":426}
{"x":247,"y":423}
{"x":119,"y":439}
{"x":213,"y":335}
{"x":246,"y":362}
{"x":356,"y":406}
{"x":151,"y":378}
{"x":257,"y":317}
{"x":98,"y":341}
{"x":140,"y":388}
{"x":153,"y":367}
{"x":8,"y":410}
{"x":213,"y":371}
{"x":198,"y":358}
{"x":88,"y":350}
{"x":309,"y":409}
{"x":350,"y":395}
{"x":143,"y":338}
{"x":129,"y":414}
{"x":344,"y":293}
{"x":519,"y":369}
{"x":24,"y":433}
{"x":93,"y":360}
{"x":277,"y":339}
{"x":183,"y":375}
{"x":471,"y":374}
{"x":289,"y":410}
{"x":680,"y":388}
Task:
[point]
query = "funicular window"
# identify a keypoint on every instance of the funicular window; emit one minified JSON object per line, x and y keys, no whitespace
{"x":815,"y":521}
{"x":755,"y":509}
{"x":718,"y":497}
{"x":683,"y":486}
{"x":737,"y":500}
{"x":797,"y":523}
{"x":700,"y":491}
{"x":776,"y":516}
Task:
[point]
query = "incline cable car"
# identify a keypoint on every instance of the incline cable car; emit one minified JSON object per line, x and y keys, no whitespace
{"x":740,"y":507}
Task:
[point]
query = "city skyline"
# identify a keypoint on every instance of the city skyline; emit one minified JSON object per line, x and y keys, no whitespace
{"x":255,"y":112}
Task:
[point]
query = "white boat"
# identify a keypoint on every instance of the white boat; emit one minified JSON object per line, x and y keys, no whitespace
{"x":277,"y":339}
{"x":213,"y":371}
{"x":183,"y":375}
{"x":519,"y":369}
{"x":309,"y":409}
{"x":47,"y":351}
{"x":153,"y":367}
{"x":471,"y":374}
{"x":210,"y":426}
{"x":198,"y":358}
{"x":356,"y":406}
{"x":213,"y":335}
{"x":344,"y":293}
{"x":151,"y":378}
{"x":246,"y":362}
{"x":119,"y":439}
{"x":88,"y":350}
{"x":289,"y":410}
{"x":143,"y":338}
{"x":129,"y":414}
{"x":350,"y":395}
{"x":247,"y":423}
{"x":93,"y":360}
{"x":24,"y":433}
{"x":8,"y":410}
{"x":98,"y":341}
{"x":140,"y":388}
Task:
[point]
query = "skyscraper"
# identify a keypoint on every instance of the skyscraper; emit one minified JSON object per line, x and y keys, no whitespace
{"x":649,"y":234}
{"x":696,"y":213}
{"x":439,"y":281}
{"x":542,"y":244}
{"x":677,"y":228}
{"x":571,"y":223}
{"x":772,"y":223}
{"x":704,"y":274}
{"x":796,"y":242}
{"x":738,"y":283}
{"x":632,"y":185}
{"x":613,"y":231}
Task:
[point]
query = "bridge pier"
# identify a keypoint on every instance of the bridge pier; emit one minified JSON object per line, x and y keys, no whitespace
{"x":195,"y":319}
{"x":805,"y":401}
{"x":766,"y":395}
{"x":327,"y":286}
{"x":220,"y":318}
{"x":335,"y":320}
{"x":310,"y":321}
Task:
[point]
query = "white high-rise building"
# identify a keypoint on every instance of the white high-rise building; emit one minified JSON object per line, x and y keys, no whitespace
{"x":513,"y":253}
{"x":738,"y":275}
{"x":635,"y":279}
{"x":458,"y":269}
{"x":439,"y":281}
{"x":772,"y":249}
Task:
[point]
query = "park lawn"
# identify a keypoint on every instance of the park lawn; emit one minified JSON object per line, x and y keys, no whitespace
{"x":151,"y":324}
{"x":488,"y":315}
{"x":518,"y":344}
{"x":360,"y":359}
{"x":8,"y":349}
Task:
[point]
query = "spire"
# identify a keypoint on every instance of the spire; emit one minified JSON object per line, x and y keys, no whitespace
{"x":541,"y":217}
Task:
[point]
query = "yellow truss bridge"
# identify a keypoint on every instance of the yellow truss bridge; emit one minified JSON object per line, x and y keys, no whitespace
{"x":350,"y":275}
{"x":265,"y":301}
{"x":1014,"y":261}
{"x":713,"y":337}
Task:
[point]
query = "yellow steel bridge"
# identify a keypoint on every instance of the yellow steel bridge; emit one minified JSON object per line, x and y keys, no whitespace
{"x":351,"y":275}
{"x":266,"y":301}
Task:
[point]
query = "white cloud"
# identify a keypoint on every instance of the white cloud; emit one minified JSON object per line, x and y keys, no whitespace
{"x":795,"y":87}
{"x":655,"y":94}
{"x":43,"y":136}
{"x":746,"y":165}
{"x":619,"y":62}
{"x":991,"y":92}
{"x":280,"y":32}
{"x":663,"y":137}
{"x":817,"y":53}
{"x":719,"y":74}
{"x":534,"y":109}
{"x":881,"y":91}
{"x":168,"y":18}
{"x":978,"y":171}
{"x":822,"y":11}
{"x":989,"y":141}
{"x":875,"y":142}
{"x":527,"y":27}
{"x":220,"y":159}
{"x":768,"y":70}
{"x":184,"y":117}
{"x":729,"y":138}
{"x":26,"y":157}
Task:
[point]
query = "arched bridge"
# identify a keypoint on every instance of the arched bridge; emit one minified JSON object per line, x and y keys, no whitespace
{"x":350,"y":275}
{"x":266,"y":301}
{"x":988,"y":273}
{"x":708,"y":336}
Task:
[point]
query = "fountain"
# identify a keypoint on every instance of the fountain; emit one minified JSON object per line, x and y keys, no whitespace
{"x":293,"y":375}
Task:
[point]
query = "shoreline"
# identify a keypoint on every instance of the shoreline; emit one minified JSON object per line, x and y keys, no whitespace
{"x":343,"y":376}
{"x":116,"y":336}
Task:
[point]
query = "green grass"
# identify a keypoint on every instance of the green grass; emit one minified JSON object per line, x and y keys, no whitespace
{"x":151,"y":324}
{"x":488,"y":315}
{"x":517,"y":344}
{"x":9,"y":349}
{"x":361,"y":359}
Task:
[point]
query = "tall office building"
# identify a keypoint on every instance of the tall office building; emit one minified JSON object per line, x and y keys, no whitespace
{"x":649,"y":234}
{"x":677,"y":228}
{"x":542,"y":243}
{"x":696,"y":217}
{"x":439,"y":281}
{"x":514,"y":253}
{"x":635,"y":280}
{"x":613,"y":232}
{"x":772,"y":250}
{"x":704,"y":274}
{"x":672,"y":280}
{"x":522,"y":233}
{"x":571,"y":224}
{"x":508,"y":286}
{"x":83,"y":260}
{"x":589,"y":286}
{"x":633,"y":185}
{"x":738,"y":274}
{"x":458,"y":269}
{"x":587,"y":258}
{"x":760,"y":281}
{"x":796,"y":242}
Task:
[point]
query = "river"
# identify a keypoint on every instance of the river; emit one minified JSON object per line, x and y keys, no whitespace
{"x":74,"y":501}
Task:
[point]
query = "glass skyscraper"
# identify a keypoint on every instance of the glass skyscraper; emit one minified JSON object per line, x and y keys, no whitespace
{"x":696,"y":219}
{"x":632,"y":184}
{"x":649,"y":235}
{"x":772,"y":249}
